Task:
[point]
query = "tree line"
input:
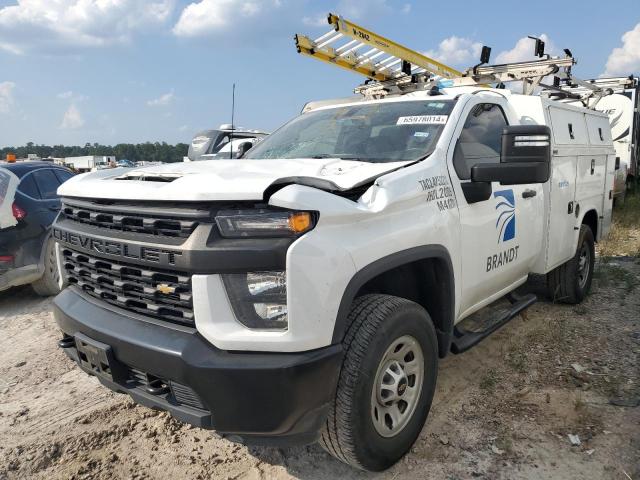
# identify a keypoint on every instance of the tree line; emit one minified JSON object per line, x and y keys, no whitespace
{"x":158,"y":151}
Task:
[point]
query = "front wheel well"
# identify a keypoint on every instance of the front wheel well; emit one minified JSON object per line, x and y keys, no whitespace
{"x":427,"y":282}
{"x":590,"y":219}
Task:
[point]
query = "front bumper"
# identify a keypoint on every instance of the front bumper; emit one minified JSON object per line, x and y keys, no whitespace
{"x":254,"y":398}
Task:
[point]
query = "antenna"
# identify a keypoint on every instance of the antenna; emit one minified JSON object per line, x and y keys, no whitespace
{"x":233,"y":125}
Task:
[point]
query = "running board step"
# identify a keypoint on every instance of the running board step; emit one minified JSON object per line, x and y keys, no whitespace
{"x":464,"y":339}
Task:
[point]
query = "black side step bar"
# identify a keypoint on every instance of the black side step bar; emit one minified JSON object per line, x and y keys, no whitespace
{"x":463,"y":340}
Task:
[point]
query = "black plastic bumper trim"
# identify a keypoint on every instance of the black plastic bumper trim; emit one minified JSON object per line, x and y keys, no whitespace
{"x":256,"y":398}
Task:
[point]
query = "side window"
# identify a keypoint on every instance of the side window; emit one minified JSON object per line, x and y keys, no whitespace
{"x":28,"y":187}
{"x":480,"y":140}
{"x":63,"y":175}
{"x":47,"y":183}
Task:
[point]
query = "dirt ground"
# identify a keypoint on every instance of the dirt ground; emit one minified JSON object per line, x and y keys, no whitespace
{"x":502,"y":410}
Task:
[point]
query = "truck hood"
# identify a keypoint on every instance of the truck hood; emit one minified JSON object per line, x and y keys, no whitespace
{"x":222,"y":179}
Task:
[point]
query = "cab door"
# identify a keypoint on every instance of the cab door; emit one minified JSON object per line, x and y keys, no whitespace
{"x":501,"y":235}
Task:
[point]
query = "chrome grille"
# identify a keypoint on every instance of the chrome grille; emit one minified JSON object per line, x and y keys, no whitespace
{"x":157,"y":293}
{"x":151,"y":222}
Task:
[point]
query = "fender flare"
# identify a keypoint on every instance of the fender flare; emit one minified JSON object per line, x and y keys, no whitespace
{"x":390,"y":262}
{"x":584,"y":210}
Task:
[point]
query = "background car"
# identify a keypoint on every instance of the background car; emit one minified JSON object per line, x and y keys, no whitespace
{"x":125,"y":163}
{"x":223,"y":143}
{"x":28,"y":205}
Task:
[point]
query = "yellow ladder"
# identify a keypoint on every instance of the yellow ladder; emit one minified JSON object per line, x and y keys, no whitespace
{"x":383,"y":60}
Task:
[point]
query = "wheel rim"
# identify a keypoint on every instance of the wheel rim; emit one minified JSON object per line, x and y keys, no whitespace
{"x":397,"y":386}
{"x":584,"y":265}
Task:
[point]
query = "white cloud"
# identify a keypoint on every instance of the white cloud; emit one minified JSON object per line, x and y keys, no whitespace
{"x":625,"y":60}
{"x":263,"y":19}
{"x":162,"y":100}
{"x":316,"y":21}
{"x":70,"y":95}
{"x":524,"y":50}
{"x":361,"y":9}
{"x":52,"y":26}
{"x":72,"y":119}
{"x":456,"y":51}
{"x":208,"y":16}
{"x":6,"y":96}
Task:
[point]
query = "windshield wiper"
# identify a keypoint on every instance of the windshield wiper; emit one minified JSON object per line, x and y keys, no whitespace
{"x":344,"y":156}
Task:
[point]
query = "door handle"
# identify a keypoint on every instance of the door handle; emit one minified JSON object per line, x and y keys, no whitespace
{"x":529,"y":193}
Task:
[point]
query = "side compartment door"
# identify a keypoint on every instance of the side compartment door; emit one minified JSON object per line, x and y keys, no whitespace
{"x":562,"y":186}
{"x":592,"y":168}
{"x":502,"y":235}
{"x":602,"y":175}
{"x":607,"y":200}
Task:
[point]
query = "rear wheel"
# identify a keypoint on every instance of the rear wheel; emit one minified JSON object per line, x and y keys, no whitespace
{"x":386,"y":383}
{"x":48,"y":284}
{"x":571,"y":282}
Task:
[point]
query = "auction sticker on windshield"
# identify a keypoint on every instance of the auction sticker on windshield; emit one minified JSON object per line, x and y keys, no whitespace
{"x":423,"y":120}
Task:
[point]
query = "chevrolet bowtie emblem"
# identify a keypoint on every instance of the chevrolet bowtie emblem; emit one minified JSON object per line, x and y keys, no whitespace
{"x":164,"y":288}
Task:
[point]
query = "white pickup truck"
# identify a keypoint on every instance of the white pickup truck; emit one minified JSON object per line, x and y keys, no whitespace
{"x":307,"y":291}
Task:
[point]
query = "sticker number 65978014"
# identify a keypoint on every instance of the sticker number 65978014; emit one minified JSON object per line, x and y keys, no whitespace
{"x":423,"y":120}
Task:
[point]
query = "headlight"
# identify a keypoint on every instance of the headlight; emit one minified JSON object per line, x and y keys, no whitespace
{"x":259,"y":299}
{"x":263,"y":223}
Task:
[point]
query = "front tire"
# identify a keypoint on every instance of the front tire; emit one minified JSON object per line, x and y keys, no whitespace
{"x":386,"y":383}
{"x":48,"y":285}
{"x":571,"y":281}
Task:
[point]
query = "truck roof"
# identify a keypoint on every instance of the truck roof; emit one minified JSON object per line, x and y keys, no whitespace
{"x":520,"y":102}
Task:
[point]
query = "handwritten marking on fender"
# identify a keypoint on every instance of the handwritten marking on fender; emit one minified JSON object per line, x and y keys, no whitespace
{"x":438,"y":189}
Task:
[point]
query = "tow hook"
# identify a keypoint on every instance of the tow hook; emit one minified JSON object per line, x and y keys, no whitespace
{"x":157,"y":387}
{"x":67,"y":342}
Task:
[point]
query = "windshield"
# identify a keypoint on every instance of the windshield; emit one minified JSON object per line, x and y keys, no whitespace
{"x":378,"y":132}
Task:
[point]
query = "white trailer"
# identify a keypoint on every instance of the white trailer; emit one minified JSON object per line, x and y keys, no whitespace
{"x":88,"y":162}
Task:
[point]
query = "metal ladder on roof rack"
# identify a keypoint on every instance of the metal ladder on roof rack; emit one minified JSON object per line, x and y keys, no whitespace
{"x":384,"y":60}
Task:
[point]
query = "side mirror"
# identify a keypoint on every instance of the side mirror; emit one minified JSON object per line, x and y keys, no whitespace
{"x":525,"y":157}
{"x":243,"y":148}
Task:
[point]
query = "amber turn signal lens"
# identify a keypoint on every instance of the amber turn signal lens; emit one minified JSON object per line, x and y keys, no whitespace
{"x":300,"y":222}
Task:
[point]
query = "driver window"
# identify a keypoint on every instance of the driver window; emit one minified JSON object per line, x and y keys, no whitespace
{"x":480,"y":140}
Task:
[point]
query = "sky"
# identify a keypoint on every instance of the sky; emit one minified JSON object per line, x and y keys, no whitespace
{"x":128,"y":71}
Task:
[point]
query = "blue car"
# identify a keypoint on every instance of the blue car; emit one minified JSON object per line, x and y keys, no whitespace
{"x":28,"y":206}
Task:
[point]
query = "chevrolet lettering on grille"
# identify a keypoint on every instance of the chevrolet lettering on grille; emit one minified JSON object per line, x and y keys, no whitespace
{"x":111,"y":247}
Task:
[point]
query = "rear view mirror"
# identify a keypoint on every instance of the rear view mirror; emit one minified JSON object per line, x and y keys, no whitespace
{"x":525,"y":157}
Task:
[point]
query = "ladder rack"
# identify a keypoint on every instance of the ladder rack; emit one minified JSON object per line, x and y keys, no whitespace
{"x":384,"y":60}
{"x":391,"y":68}
{"x":530,"y":73}
{"x":589,"y":92}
